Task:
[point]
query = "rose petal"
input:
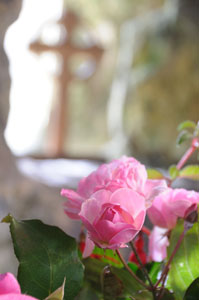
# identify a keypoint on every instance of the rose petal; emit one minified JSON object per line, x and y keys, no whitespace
{"x":89,"y":246}
{"x":9,"y":284}
{"x":123,"y":237}
{"x":72,"y":196}
{"x":129,"y":201}
{"x":107,"y":230}
{"x":152,"y":189}
{"x":73,"y":205}
{"x":139,"y":220}
{"x":16,"y":297}
{"x":158,"y":243}
{"x":91,"y":208}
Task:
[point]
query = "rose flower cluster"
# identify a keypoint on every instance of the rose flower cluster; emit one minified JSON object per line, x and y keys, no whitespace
{"x":113,"y":201}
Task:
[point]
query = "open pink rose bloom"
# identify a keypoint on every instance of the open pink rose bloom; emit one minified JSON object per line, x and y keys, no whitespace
{"x":126,"y":172}
{"x":112,"y":202}
{"x":113,"y":219}
{"x":10,"y":289}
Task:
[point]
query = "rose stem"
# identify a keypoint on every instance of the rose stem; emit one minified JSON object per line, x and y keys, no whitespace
{"x":185,"y":157}
{"x":162,"y":288}
{"x":142,"y":266}
{"x":166,"y":269}
{"x":131,"y":272}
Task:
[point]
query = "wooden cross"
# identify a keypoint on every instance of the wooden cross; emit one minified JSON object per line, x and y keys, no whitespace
{"x":67,"y":49}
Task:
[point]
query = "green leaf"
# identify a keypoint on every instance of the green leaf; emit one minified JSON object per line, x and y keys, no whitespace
{"x":46,"y":256}
{"x":192,"y":292}
{"x":191,"y":172}
{"x":154,"y":269}
{"x":133,"y":266}
{"x":112,"y":286}
{"x":125,"y":298}
{"x":142,"y":295}
{"x":185,"y":265}
{"x":186,"y":124}
{"x":108,"y":256}
{"x":183,"y":136}
{"x":130,"y":286}
{"x":154,"y":174}
{"x":173,"y":172}
{"x":87,"y":293}
{"x":145,"y":295}
{"x":93,"y":273}
{"x":58,"y":294}
{"x":167,"y":295}
{"x":93,"y":270}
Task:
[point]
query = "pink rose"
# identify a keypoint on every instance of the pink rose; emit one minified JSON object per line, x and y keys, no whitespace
{"x":112,"y":218}
{"x":170,"y":205}
{"x":126,"y":172}
{"x":158,"y":243}
{"x":10,"y":289}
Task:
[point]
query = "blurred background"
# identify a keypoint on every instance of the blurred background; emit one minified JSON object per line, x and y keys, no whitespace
{"x":84,"y":82}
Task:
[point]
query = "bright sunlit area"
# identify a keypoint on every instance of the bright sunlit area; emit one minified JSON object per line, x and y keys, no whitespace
{"x":32,"y":75}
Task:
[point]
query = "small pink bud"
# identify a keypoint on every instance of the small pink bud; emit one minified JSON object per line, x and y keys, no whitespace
{"x":172,"y":204}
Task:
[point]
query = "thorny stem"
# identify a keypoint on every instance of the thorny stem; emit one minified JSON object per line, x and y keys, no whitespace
{"x":185,"y":157}
{"x":145,"y":272}
{"x":131,"y":272}
{"x":166,"y":269}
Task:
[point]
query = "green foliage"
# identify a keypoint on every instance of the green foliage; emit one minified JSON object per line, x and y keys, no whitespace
{"x":58,"y":294}
{"x":93,"y":270}
{"x":130,"y":286}
{"x":112,"y":286}
{"x":166,"y":295}
{"x":154,"y":174}
{"x":114,"y":283}
{"x":192,"y":293}
{"x":173,"y":172}
{"x":143,"y":295}
{"x":46,"y":256}
{"x":153,"y":269}
{"x":185,"y":265}
{"x":108,"y":256}
{"x":133,"y":266}
{"x":191,"y":172}
{"x":187,"y":131}
{"x":186,"y":124}
{"x":127,"y":285}
{"x":87,"y":293}
{"x":183,"y":136}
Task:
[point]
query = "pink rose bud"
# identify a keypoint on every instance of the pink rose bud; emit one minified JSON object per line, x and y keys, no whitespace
{"x":170,"y":205}
{"x":158,"y":243}
{"x":126,"y":172}
{"x":10,"y":289}
{"x":191,"y":214}
{"x":112,"y":219}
